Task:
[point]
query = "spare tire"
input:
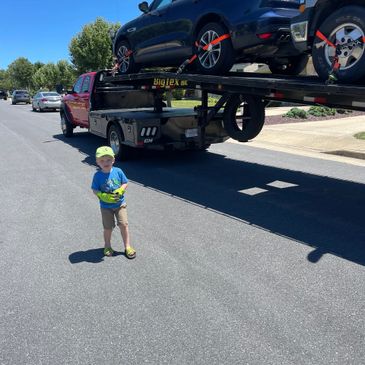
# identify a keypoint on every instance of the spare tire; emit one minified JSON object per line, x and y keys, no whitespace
{"x":244,"y":117}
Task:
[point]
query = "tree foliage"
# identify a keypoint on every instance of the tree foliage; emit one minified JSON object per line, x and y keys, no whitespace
{"x":50,"y":75}
{"x":91,"y":49}
{"x":20,"y":73}
{"x":5,"y":83}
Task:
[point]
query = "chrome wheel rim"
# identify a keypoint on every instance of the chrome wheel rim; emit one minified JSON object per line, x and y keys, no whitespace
{"x":350,"y":37}
{"x":123,"y":59}
{"x":210,"y":57}
{"x":114,"y":142}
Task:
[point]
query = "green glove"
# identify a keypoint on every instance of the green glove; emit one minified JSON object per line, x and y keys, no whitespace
{"x":120,"y":191}
{"x":106,"y":197}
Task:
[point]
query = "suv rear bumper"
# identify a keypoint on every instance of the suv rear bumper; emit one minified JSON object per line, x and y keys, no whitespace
{"x":274,"y":22}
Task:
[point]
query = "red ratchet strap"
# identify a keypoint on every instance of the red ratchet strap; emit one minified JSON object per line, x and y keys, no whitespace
{"x":322,"y":37}
{"x":202,"y":49}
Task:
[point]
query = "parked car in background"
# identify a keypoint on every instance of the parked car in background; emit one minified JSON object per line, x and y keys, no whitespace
{"x":3,"y":94}
{"x":332,"y":31}
{"x":168,"y":32}
{"x":20,"y":96}
{"x":46,"y":100}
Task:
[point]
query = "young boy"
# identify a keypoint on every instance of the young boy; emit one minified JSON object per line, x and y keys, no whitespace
{"x":109,"y":184}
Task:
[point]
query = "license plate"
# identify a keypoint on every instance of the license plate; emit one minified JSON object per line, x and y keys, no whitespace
{"x":190,"y":133}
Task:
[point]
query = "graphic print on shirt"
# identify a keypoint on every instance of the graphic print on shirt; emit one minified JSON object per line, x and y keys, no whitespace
{"x":110,"y":185}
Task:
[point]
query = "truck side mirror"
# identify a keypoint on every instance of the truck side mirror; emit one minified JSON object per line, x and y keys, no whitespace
{"x":144,"y":7}
{"x":59,"y":88}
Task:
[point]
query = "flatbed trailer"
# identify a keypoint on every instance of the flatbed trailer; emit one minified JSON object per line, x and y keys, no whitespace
{"x":242,"y":96}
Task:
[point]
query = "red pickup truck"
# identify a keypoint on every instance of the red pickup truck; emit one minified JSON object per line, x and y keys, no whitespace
{"x":130,"y":117}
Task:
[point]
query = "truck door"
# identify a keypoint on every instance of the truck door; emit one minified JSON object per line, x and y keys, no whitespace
{"x":84,"y":101}
{"x":73,"y":101}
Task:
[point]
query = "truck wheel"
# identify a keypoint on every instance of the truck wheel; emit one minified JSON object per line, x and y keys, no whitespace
{"x":294,"y":67}
{"x":345,"y":28}
{"x":244,"y":117}
{"x":220,"y":58}
{"x":125,"y":58}
{"x":66,"y":126}
{"x":115,"y":141}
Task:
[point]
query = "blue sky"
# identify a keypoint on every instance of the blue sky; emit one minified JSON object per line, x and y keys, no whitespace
{"x":41,"y":30}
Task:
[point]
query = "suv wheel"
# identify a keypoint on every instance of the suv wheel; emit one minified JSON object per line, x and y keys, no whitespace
{"x":125,"y":58}
{"x":345,"y":28}
{"x":219,"y":58}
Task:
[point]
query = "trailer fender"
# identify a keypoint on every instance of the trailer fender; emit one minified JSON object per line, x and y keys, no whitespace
{"x":244,"y":116}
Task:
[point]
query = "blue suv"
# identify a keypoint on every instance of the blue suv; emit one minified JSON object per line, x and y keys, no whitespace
{"x":219,"y":32}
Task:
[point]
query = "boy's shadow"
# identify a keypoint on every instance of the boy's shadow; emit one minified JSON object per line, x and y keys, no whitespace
{"x":94,"y":256}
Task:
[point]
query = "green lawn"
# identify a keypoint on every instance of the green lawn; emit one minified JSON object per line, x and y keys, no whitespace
{"x":360,"y":135}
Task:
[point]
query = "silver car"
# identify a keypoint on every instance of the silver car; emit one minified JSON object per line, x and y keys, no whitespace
{"x":20,"y":96}
{"x":46,"y":100}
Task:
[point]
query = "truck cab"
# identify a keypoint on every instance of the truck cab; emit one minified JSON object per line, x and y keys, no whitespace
{"x":76,"y":103}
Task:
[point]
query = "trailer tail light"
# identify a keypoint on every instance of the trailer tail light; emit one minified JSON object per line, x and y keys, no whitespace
{"x":264,"y":35}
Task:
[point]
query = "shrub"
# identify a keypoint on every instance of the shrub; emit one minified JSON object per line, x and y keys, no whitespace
{"x":321,"y":111}
{"x":296,"y":113}
{"x":177,"y":94}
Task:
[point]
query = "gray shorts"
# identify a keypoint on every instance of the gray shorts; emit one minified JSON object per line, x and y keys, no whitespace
{"x":109,"y":215}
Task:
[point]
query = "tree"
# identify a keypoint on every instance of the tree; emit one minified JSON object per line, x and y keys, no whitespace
{"x":5,"y":83}
{"x":20,"y":73}
{"x":91,"y":49}
{"x":50,"y":75}
{"x":67,"y":73}
{"x":46,"y":77}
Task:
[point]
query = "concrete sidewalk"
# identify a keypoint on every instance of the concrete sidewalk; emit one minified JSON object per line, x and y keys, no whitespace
{"x":329,"y":139}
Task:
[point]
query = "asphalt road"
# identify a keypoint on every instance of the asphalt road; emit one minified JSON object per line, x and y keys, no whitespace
{"x":244,"y":255}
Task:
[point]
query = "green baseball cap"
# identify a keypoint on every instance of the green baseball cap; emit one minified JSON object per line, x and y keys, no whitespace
{"x":104,"y":151}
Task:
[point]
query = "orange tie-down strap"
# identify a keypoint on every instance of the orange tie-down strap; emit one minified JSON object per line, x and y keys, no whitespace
{"x":201,"y":48}
{"x":322,"y":37}
{"x":206,"y":47}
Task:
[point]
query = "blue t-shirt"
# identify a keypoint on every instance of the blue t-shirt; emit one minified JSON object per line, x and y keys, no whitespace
{"x":107,"y":183}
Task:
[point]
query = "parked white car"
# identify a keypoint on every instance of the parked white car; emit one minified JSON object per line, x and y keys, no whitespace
{"x":46,"y":100}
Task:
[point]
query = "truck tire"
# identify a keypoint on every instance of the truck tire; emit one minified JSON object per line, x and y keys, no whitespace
{"x":125,"y":58}
{"x":345,"y":26}
{"x":295,"y":66}
{"x":115,"y":141}
{"x":66,"y":126}
{"x":220,"y":59}
{"x":244,"y":117}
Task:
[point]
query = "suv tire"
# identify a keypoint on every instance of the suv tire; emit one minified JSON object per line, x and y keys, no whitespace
{"x":220,"y":59}
{"x":347,"y":19}
{"x":126,"y":62}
